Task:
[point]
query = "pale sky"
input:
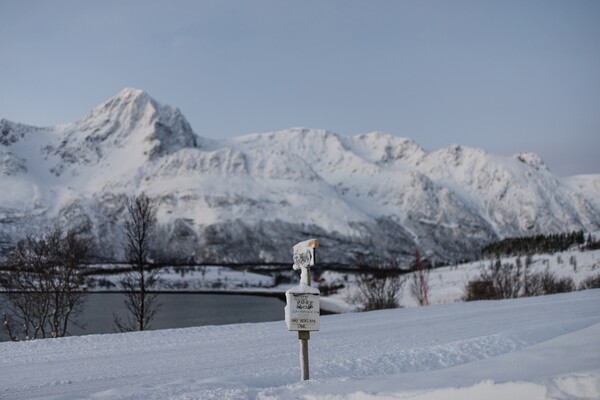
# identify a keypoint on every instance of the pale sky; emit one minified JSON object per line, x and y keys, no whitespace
{"x":505,"y":76}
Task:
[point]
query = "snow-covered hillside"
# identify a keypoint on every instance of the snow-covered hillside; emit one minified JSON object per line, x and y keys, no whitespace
{"x":534,"y":348}
{"x":448,"y":284}
{"x":251,"y":198}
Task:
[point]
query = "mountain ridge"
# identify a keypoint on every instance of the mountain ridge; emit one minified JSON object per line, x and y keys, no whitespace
{"x":249,"y":198}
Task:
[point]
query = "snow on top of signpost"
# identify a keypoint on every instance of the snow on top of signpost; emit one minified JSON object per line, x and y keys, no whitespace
{"x":307,"y":244}
{"x":304,"y":257}
{"x":304,"y":253}
{"x":303,"y":288}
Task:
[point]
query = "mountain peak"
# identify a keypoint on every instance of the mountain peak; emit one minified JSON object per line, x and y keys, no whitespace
{"x":531,"y":159}
{"x":128,"y":98}
{"x":129,"y":91}
{"x":132,"y":121}
{"x":134,"y":112}
{"x":383,"y":148}
{"x":132,"y":96}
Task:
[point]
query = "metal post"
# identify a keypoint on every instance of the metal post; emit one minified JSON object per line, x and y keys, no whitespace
{"x":304,"y":336}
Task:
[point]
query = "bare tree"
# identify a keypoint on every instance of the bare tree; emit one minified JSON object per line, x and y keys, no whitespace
{"x":69,"y":279}
{"x":380,"y":288}
{"x":419,"y":285}
{"x":591,"y":282}
{"x":507,"y":279}
{"x":44,"y":283}
{"x":25,"y":285}
{"x":499,"y":281}
{"x":139,"y":226}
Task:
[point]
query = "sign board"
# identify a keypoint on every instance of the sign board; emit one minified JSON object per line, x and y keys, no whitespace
{"x":302,"y":311}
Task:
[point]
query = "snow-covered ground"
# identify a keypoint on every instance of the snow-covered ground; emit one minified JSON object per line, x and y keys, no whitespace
{"x":447,"y":284}
{"x":195,"y":278}
{"x":531,"y":348}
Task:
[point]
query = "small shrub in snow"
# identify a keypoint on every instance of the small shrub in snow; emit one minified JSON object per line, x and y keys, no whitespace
{"x":379,"y":289}
{"x":481,"y":290}
{"x":547,"y":283}
{"x":592,"y":282}
{"x":506,"y":279}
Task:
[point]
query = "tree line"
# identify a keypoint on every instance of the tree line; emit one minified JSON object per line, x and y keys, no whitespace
{"x":44,"y":278}
{"x":529,"y":245}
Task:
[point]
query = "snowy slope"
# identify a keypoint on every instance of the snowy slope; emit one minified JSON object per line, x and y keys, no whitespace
{"x":447,"y":285}
{"x":534,"y":348}
{"x":250,"y":198}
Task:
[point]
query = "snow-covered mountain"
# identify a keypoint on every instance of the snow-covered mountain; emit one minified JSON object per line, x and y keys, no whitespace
{"x":251,"y":198}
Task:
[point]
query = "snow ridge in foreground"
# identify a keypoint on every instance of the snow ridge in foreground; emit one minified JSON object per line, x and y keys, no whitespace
{"x":535,"y":348}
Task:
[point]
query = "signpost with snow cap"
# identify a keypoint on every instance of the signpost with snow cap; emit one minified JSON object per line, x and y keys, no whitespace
{"x":302,"y":310}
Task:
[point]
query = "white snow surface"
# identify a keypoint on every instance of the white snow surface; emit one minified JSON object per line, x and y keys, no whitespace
{"x":531,"y":348}
{"x":447,"y":284}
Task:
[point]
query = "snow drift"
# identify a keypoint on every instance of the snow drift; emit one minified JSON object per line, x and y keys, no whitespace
{"x":530,"y":348}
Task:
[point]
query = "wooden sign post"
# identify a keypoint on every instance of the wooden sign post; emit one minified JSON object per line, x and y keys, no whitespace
{"x":302,"y":311}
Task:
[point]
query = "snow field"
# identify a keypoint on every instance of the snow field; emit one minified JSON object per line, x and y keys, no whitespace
{"x":535,"y":348}
{"x":200,"y":278}
{"x":447,"y":284}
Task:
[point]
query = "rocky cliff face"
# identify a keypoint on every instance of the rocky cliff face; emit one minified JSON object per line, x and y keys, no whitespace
{"x":249,"y":199}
